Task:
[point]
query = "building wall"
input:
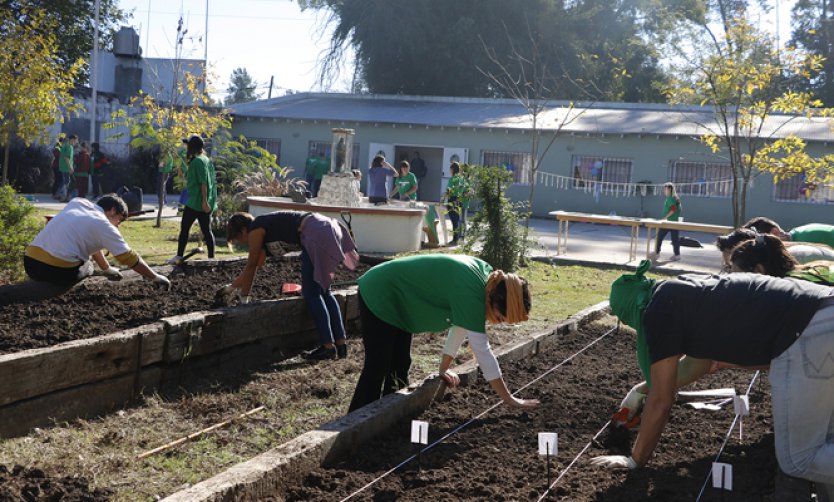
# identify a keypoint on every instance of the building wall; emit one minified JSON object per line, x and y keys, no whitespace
{"x":650,"y":156}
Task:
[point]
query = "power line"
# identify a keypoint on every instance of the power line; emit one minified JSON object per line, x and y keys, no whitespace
{"x":241,"y":16}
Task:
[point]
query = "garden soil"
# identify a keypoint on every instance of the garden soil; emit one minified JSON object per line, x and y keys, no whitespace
{"x":495,"y":457}
{"x":22,"y":484}
{"x":99,"y":307}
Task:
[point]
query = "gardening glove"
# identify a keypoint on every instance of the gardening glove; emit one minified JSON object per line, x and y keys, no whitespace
{"x":629,"y":414}
{"x":85,"y":270}
{"x":112,"y":274}
{"x":615,"y":462}
{"x":245,"y":299}
{"x":161,"y":281}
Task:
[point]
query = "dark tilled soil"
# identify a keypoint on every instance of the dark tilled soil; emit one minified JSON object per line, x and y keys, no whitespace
{"x":21,"y":484}
{"x":495,"y":458}
{"x":97,"y":307}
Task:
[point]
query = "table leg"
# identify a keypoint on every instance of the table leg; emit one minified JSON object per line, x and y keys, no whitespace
{"x":567,"y":225}
{"x":558,"y":236}
{"x":648,"y":241}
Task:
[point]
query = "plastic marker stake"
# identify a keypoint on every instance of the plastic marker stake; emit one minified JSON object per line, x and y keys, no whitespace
{"x":548,"y":446}
{"x":419,"y":435}
{"x":741,"y":404}
{"x":727,"y":392}
{"x":722,"y":476}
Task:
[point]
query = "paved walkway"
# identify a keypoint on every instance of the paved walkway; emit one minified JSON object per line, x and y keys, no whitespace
{"x":587,"y":242}
{"x":149,"y":202}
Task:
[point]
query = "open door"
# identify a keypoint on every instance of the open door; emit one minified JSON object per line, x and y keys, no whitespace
{"x":460,"y":155}
{"x":384,"y":149}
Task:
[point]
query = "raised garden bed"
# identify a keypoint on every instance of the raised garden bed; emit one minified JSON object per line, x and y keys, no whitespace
{"x":496,"y":458}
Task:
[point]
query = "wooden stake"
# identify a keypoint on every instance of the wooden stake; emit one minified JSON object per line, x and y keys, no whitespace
{"x":197,"y":434}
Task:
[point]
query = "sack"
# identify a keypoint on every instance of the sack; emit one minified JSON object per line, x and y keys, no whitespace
{"x":689,"y":242}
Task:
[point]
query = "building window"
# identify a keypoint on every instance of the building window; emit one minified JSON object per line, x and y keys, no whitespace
{"x":317,"y":147}
{"x":699,"y":178}
{"x":272,"y":146}
{"x":796,"y":189}
{"x":605,"y":169}
{"x":519,"y":164}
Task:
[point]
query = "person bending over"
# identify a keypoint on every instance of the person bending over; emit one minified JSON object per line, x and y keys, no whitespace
{"x":325,"y":244}
{"x":430,"y":293}
{"x":688,"y":322}
{"x":63,"y":252}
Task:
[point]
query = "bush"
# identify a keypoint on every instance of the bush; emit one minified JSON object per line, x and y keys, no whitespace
{"x":17,"y":229}
{"x":495,"y":227}
{"x":30,"y":168}
{"x":227,"y":205}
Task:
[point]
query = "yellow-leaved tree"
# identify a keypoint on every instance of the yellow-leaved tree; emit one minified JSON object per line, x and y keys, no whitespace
{"x":155,"y":124}
{"x":748,"y":86}
{"x":35,"y":84}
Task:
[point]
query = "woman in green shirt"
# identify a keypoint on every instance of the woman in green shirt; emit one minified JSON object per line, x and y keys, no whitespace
{"x":457,"y":198}
{"x":429,"y":293}
{"x":671,"y":212}
{"x":202,"y":198}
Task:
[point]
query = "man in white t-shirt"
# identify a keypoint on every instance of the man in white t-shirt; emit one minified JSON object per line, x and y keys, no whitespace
{"x":63,"y":252}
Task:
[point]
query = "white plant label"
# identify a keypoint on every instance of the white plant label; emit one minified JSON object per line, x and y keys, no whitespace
{"x":548,"y":443}
{"x":742,"y":405}
{"x":722,"y":476}
{"x":419,"y":432}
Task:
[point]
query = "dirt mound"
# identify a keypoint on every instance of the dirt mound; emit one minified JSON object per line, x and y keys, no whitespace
{"x":97,"y":307}
{"x":33,"y":484}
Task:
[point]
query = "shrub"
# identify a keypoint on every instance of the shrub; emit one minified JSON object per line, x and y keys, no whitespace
{"x":17,"y":229}
{"x":495,"y":227}
{"x":30,"y":168}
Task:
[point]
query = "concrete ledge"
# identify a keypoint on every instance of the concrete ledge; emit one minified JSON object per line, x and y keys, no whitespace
{"x":268,"y":475}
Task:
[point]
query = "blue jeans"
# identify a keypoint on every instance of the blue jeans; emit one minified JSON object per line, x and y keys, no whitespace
{"x":802,"y":386}
{"x":324,"y":308}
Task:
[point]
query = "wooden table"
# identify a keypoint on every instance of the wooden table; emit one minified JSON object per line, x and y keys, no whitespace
{"x":564,"y":218}
{"x":656,"y":225}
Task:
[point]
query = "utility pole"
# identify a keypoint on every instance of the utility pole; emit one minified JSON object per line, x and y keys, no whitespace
{"x":205,"y":50}
{"x":271,"y":80}
{"x":94,"y":76}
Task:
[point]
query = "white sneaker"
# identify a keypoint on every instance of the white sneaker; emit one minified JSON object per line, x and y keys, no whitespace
{"x":652,"y":256}
{"x":675,"y":257}
{"x":175,"y":260}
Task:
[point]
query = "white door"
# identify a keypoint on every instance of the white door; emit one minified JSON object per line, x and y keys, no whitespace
{"x":375,"y":149}
{"x":460,"y":155}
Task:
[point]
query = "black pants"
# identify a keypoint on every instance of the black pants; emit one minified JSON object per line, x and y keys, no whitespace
{"x":204,"y":219}
{"x":676,"y":245}
{"x":39,"y":271}
{"x":387,"y":358}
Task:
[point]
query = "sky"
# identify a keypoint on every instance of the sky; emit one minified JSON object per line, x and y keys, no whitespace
{"x":270,"y":38}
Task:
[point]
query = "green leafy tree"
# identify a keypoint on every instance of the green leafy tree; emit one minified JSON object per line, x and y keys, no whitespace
{"x":495,"y":227}
{"x":35,"y":84}
{"x":813,"y":31}
{"x":241,"y":87}
{"x":74,"y":38}
{"x":746,"y":82}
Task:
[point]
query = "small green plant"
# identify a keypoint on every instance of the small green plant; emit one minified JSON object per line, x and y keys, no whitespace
{"x":495,"y":227}
{"x":17,"y":229}
{"x":267,"y":182}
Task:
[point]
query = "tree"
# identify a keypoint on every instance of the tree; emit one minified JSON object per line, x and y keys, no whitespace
{"x":35,"y":84}
{"x":154,"y":124}
{"x":241,"y":87}
{"x":436,"y":49}
{"x":74,"y":39}
{"x":813,"y":31}
{"x":745,"y":81}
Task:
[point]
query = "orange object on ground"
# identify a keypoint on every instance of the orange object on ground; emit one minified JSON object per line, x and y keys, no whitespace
{"x":290,"y":288}
{"x":621,"y":419}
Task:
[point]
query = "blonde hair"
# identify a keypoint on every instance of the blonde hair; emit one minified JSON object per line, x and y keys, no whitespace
{"x":516,"y":293}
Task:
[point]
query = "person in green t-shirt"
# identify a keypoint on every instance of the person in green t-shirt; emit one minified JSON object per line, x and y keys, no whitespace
{"x":202,"y":198}
{"x":66,"y":167}
{"x":671,"y":212}
{"x":322,"y":167}
{"x":429,"y":293}
{"x":405,"y":185}
{"x":457,"y":201}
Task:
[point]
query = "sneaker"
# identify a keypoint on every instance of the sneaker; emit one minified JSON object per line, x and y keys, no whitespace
{"x":321,"y":354}
{"x":675,"y":257}
{"x":341,"y":351}
{"x":652,"y":256}
{"x":175,"y":260}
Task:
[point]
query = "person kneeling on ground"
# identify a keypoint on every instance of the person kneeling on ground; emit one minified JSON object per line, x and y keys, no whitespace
{"x":802,"y":252}
{"x":61,"y":252}
{"x":430,"y":293}
{"x":790,"y":331}
{"x":325,"y":244}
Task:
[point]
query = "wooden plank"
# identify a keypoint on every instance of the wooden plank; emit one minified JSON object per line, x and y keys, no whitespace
{"x":68,"y":404}
{"x":40,"y":371}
